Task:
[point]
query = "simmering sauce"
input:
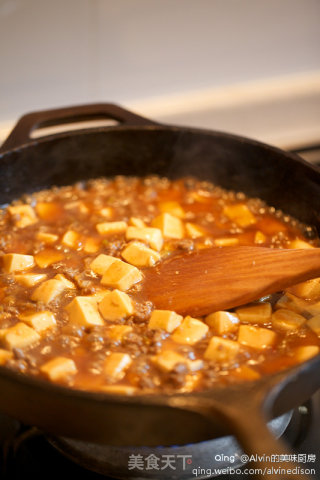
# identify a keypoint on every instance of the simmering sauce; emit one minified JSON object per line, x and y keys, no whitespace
{"x":72,"y":263}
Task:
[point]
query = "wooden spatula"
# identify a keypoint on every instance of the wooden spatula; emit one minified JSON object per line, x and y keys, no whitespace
{"x":220,"y":278}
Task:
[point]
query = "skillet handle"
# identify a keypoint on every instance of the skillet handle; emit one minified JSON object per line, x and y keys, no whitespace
{"x":20,"y":134}
{"x":267,"y":455}
{"x":271,"y":456}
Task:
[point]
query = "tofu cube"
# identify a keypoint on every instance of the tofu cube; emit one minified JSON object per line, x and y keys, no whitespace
{"x":99,"y":295}
{"x":221,"y":350}
{"x":16,"y":262}
{"x":194,"y":231}
{"x":168,"y":359}
{"x":118,"y":332}
{"x":291,"y":303}
{"x":119,"y":389}
{"x":71,"y":239}
{"x":78,"y":206}
{"x":149,"y":235}
{"x":116,"y":305}
{"x":256,"y":337}
{"x":102,"y":262}
{"x":121,"y":275}
{"x":92,"y":245}
{"x":48,"y":291}
{"x":239,"y":214}
{"x":47,"y":257}
{"x":139,"y":255}
{"x":309,"y":290}
{"x":59,"y":368}
{"x":19,"y":336}
{"x":260,"y":238}
{"x":67,"y":283}
{"x":304,"y":353}
{"x":164,"y":320}
{"x":259,"y":313}
{"x":30,"y":279}
{"x":106,"y":212}
{"x":298,"y":243}
{"x":170,"y":226}
{"x":47,"y":238}
{"x":223,"y":322}
{"x":136,"y":222}
{"x":246,"y":373}
{"x":116,"y":364}
{"x":84,"y":311}
{"x":40,"y":321}
{"x":172,"y":207}
{"x":24,"y":215}
{"x":314,"y":324}
{"x":5,"y":356}
{"x":190,"y":331}
{"x":226,"y":241}
{"x":111,"y":228}
{"x":48,"y":210}
{"x":287,"y":319}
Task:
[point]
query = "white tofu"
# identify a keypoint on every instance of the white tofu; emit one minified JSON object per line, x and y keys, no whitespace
{"x":119,"y":389}
{"x":48,"y":257}
{"x":314,"y":324}
{"x":168,"y":359}
{"x":5,"y":356}
{"x":116,"y":364}
{"x":297,"y":243}
{"x":172,"y":207}
{"x":260,"y":238}
{"x":139,"y":255}
{"x":102,"y":262}
{"x":226,"y":242}
{"x":24,"y":215}
{"x":111,"y":228}
{"x":121,"y":275}
{"x":71,"y":239}
{"x":309,"y":290}
{"x":40,"y":321}
{"x":136,"y":222}
{"x":164,"y":320}
{"x":170,"y":226}
{"x":106,"y":212}
{"x":258,"y":313}
{"x":239,"y":214}
{"x":84,"y":311}
{"x":16,"y":262}
{"x":194,"y":231}
{"x":287,"y":319}
{"x":77,"y":205}
{"x":221,"y":350}
{"x":223,"y":322}
{"x":190,"y":331}
{"x":149,"y":235}
{"x":256,"y":337}
{"x":92,"y":245}
{"x":48,"y":291}
{"x":47,"y":238}
{"x":59,"y":368}
{"x":30,"y":279}
{"x":19,"y":336}
{"x":306,"y":352}
{"x":116,"y":305}
{"x":67,"y":283}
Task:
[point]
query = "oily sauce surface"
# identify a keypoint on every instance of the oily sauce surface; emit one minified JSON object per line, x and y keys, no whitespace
{"x":72,"y":260}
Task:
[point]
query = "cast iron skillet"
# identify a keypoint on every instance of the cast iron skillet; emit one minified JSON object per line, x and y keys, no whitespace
{"x":138,"y":146}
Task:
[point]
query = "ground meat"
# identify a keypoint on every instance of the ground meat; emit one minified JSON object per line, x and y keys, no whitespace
{"x":142,"y":311}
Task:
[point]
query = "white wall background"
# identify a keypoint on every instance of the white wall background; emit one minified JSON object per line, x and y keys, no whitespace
{"x":146,"y":52}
